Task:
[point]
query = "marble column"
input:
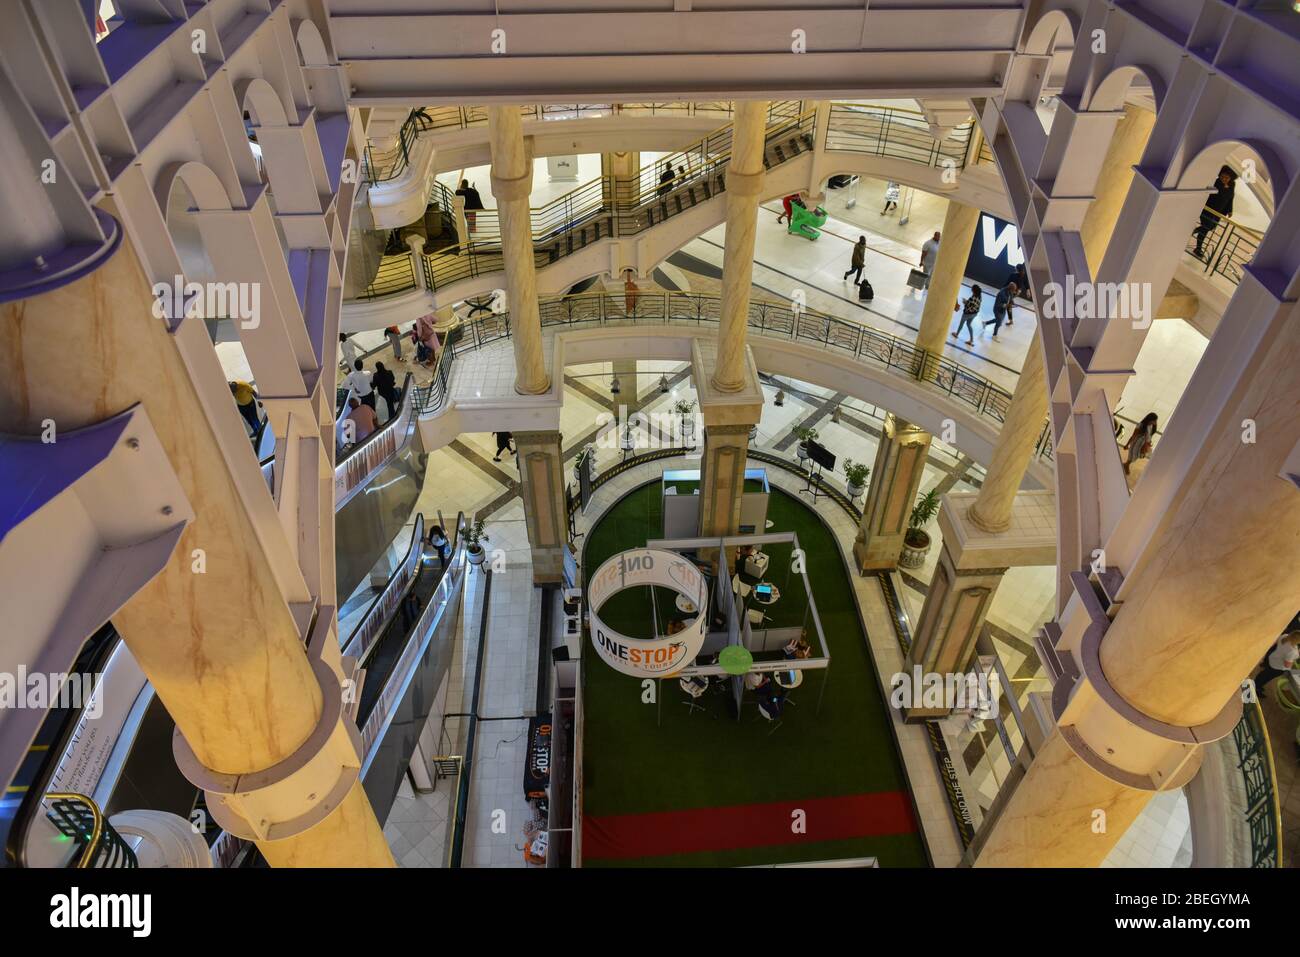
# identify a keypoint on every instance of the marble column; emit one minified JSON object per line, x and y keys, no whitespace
{"x":1015,"y":446}
{"x":722,"y":478}
{"x":542,"y":487}
{"x":1124,"y":152}
{"x":620,"y":170}
{"x":946,"y":283}
{"x":1213,"y":585}
{"x":944,"y":643}
{"x":891,"y":492}
{"x":744,"y":187}
{"x":222,"y":647}
{"x":512,"y":182}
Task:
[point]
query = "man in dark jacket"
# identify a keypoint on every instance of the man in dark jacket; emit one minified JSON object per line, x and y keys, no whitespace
{"x":385,"y":383}
{"x":473,"y":201}
{"x":858,"y":261}
{"x":1217,"y":207}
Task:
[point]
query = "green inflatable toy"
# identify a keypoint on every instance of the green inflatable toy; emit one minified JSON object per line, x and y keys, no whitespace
{"x":804,"y":222}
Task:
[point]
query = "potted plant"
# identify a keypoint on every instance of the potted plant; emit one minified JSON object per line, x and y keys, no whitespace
{"x":856,"y":473}
{"x":684,"y":408}
{"x":805,"y":436}
{"x":916,"y":540}
{"x":474,"y":539}
{"x":588,"y":452}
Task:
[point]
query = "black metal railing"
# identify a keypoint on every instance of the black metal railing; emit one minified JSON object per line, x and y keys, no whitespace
{"x":767,"y":318}
{"x":1226,"y":247}
{"x":1262,"y":813}
{"x":895,"y":133}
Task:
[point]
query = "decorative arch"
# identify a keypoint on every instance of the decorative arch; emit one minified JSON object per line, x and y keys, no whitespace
{"x":203,"y":184}
{"x":1203,"y":166}
{"x":259,"y":98}
{"x":311,"y":46}
{"x":1044,"y":36}
{"x":1109,"y":94}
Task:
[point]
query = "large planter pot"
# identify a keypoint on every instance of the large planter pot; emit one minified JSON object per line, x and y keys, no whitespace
{"x":855,"y":490}
{"x":475,"y":556}
{"x":913,"y":555}
{"x":801,"y":450}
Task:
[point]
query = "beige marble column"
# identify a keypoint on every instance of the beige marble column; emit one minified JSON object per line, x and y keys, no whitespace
{"x":722,"y":478}
{"x":512,"y":182}
{"x":1218,"y":584}
{"x":744,"y":186}
{"x":951,"y":618}
{"x":1015,"y":446}
{"x":542,"y":487}
{"x":620,"y":170}
{"x":1124,"y":152}
{"x":891,"y":492}
{"x":220,"y":647}
{"x":946,"y":283}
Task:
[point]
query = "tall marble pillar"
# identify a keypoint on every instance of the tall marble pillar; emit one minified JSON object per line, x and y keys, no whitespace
{"x":891,"y":492}
{"x":946,"y":283}
{"x":1113,"y":181}
{"x":542,"y":487}
{"x":722,"y":478}
{"x":744,"y":186}
{"x":220,"y":646}
{"x":1211,"y":584}
{"x":1015,"y":446}
{"x":512,"y":182}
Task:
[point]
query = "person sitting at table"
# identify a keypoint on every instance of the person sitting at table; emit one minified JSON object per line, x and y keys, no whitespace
{"x":797,"y":648}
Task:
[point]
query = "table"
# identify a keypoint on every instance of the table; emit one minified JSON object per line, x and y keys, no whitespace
{"x":684,"y":604}
{"x":789,"y":679}
{"x":740,"y":587}
{"x":772,"y":599}
{"x":482,"y":304}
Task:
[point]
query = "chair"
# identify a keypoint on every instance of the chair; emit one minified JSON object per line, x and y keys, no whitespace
{"x":695,"y":687}
{"x":770,"y":711}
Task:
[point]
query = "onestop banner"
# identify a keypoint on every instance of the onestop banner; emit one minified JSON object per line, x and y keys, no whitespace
{"x":639,"y":568}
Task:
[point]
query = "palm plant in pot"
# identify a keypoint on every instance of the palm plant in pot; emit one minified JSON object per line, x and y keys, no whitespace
{"x":916,"y":540}
{"x":684,"y":408}
{"x":856,"y":473}
{"x":805,"y":436}
{"x":474,"y":539}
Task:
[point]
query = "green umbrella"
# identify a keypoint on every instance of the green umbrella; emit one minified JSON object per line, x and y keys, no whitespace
{"x":735,"y":660}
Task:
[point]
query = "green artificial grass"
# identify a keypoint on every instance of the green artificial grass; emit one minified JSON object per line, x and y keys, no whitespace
{"x":694,"y":760}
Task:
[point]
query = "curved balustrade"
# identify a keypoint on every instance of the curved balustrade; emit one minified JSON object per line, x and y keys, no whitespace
{"x":895,"y":133}
{"x":1228,"y":247}
{"x":601,"y":208}
{"x":767,"y":318}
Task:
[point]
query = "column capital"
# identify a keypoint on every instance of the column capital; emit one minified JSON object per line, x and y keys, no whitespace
{"x":720,"y":406}
{"x":1028,"y":539}
{"x":745,"y":184}
{"x":513,"y":189}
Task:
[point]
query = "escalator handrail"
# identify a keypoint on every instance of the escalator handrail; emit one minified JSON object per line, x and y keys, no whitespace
{"x":360,"y":641}
{"x":404,"y":420}
{"x":381,"y":714}
{"x":25,"y":816}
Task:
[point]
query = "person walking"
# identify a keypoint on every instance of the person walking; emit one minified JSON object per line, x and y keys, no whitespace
{"x":385,"y":383}
{"x":438,"y":542}
{"x":858,"y":261}
{"x":891,"y":197}
{"x":630,"y":291}
{"x":1282,"y":659}
{"x":1218,"y":207}
{"x":505,"y":443}
{"x":1000,"y":305}
{"x":473,"y":201}
{"x":1139,"y":443}
{"x":425,"y":335}
{"x":788,"y":203}
{"x":929,"y":255}
{"x":246,"y":398}
{"x":969,"y":310}
{"x":394,"y":337}
{"x":359,"y":381}
{"x":349,"y":350}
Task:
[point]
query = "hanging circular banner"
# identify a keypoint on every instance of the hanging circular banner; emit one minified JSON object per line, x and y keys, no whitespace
{"x":648,"y":657}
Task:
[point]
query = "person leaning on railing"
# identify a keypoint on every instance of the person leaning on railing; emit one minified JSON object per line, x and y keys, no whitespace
{"x":1217,"y":207}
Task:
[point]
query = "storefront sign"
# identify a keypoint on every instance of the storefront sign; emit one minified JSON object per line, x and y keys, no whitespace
{"x":638,"y":568}
{"x":537,"y":770}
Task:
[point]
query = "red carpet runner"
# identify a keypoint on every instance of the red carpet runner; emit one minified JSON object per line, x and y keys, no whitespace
{"x":624,"y":836}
